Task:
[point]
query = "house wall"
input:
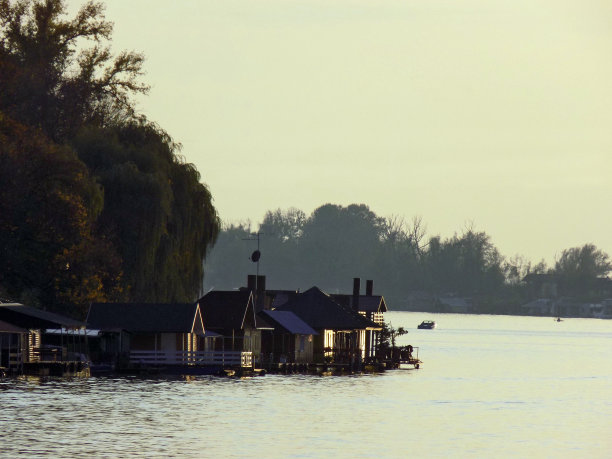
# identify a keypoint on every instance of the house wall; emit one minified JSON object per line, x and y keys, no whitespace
{"x":11,"y":349}
{"x":323,"y":345}
{"x":34,"y":342}
{"x":167,"y":342}
{"x":304,"y":345}
{"x":143,"y":342}
{"x":362,"y":343}
{"x":251,"y":340}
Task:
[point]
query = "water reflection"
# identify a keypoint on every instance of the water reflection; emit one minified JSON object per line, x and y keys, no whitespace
{"x":475,"y":396}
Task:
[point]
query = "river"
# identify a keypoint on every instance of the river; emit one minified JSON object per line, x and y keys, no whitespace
{"x":490,"y":386}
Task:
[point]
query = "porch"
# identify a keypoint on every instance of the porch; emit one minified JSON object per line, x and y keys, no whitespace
{"x":224,"y":359}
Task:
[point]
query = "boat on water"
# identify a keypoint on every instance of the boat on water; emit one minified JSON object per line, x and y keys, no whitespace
{"x":427,"y":325}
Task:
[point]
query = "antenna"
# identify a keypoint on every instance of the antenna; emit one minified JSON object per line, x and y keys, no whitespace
{"x":256,"y":255}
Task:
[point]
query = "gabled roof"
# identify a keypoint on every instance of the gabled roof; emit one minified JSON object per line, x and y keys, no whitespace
{"x":287,"y":321}
{"x":228,"y":310}
{"x":374,"y":303}
{"x":321,"y":312}
{"x":33,"y":318}
{"x":367,"y":303}
{"x":10,"y":328}
{"x":280,"y":297}
{"x":145,"y":317}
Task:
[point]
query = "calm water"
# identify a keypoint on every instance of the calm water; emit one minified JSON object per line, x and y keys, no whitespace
{"x":491,"y":386}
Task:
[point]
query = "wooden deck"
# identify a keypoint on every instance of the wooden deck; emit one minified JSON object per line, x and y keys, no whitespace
{"x":193,"y":358}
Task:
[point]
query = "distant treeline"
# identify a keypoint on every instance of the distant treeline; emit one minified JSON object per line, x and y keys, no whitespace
{"x":335,"y":244}
{"x":95,"y":202}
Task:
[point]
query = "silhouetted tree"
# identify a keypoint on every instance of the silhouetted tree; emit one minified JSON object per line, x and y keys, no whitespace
{"x":156,"y":210}
{"x":339,"y":243}
{"x":125,"y":216}
{"x":228,"y":263}
{"x":51,"y":80}
{"x":578,"y":268}
{"x":50,"y":254}
{"x":280,"y":235}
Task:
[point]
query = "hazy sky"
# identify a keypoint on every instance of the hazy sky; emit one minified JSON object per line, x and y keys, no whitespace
{"x":496,"y":113}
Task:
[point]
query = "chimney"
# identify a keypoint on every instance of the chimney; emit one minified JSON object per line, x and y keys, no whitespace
{"x":261,"y":293}
{"x":356,"y":287}
{"x":369,"y":287}
{"x":251,"y":282}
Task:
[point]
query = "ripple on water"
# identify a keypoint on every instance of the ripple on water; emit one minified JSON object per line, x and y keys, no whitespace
{"x":475,"y":396}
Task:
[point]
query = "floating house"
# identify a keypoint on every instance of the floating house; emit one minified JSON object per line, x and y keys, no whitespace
{"x":157,"y":336}
{"x":371,"y":306}
{"x":231,"y":315}
{"x":341,"y":330}
{"x":286,"y":339}
{"x":49,"y":343}
{"x":13,"y":341}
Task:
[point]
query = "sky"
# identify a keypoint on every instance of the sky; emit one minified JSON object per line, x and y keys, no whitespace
{"x":490,"y":114}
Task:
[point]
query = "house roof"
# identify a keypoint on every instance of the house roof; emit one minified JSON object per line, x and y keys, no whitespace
{"x":280,"y":297}
{"x":33,"y":318}
{"x":5,"y":327}
{"x":263,"y":322}
{"x":367,"y":303}
{"x":321,"y":312}
{"x":287,"y":321}
{"x":228,"y":310}
{"x":374,"y":303}
{"x":145,"y":317}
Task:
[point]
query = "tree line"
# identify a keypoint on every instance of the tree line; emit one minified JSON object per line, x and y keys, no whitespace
{"x":96,"y":202}
{"x":337,"y":243}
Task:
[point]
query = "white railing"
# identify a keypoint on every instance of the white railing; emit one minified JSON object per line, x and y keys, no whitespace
{"x":223,"y":358}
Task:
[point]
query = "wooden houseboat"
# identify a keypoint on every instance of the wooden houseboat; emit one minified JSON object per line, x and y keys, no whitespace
{"x":42,"y":352}
{"x":341,"y":330}
{"x":371,"y":306}
{"x":13,"y":341}
{"x":157,"y":337}
{"x":231,"y":315}
{"x":285,"y":339}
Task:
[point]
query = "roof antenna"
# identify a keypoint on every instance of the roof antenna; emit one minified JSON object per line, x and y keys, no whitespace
{"x":256,"y":255}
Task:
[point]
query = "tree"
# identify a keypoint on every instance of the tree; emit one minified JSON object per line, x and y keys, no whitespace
{"x":228,"y":262}
{"x":51,"y":80}
{"x":50,"y":252}
{"x":578,"y":268}
{"x":339,"y":243}
{"x":285,"y":226}
{"x":156,"y":211}
{"x":280,"y":237}
{"x":125,"y":213}
{"x":466,"y":265}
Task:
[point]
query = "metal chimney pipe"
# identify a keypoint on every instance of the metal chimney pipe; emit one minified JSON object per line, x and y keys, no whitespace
{"x":356,"y":288}
{"x":369,"y":287}
{"x":251,"y":282}
{"x":261,"y":293}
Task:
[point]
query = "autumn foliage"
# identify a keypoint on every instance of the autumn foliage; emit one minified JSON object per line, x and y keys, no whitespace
{"x":95,"y":202}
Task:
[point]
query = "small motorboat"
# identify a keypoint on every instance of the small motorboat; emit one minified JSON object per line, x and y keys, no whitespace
{"x":427,"y":325}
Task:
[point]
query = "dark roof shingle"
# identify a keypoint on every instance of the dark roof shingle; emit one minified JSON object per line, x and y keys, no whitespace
{"x":320,"y":311}
{"x":289,"y":322}
{"x":227,"y":310}
{"x":143,"y":317}
{"x":29,"y":317}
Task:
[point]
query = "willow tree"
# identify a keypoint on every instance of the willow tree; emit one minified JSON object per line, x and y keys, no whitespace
{"x":156,"y":211}
{"x":51,"y":255}
{"x":60,"y":81}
